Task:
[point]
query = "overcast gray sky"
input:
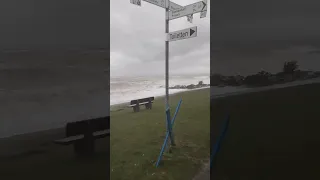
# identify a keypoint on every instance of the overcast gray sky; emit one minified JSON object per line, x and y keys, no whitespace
{"x":137,"y":41}
{"x":250,"y":35}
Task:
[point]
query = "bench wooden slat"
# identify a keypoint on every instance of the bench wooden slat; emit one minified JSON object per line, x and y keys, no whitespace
{"x":101,"y":134}
{"x":135,"y":104}
{"x":141,"y":100}
{"x":69,"y":140}
{"x":72,"y":139}
{"x":139,"y":104}
{"x":143,"y":103}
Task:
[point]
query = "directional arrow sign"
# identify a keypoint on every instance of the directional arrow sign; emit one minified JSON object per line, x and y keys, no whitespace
{"x":188,"y":10}
{"x":183,"y":34}
{"x":136,"y":2}
{"x":173,"y":7}
{"x":160,"y":3}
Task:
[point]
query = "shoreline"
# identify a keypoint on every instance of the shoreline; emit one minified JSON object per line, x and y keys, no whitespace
{"x":160,"y":96}
{"x":60,"y":130}
{"x":122,"y":106}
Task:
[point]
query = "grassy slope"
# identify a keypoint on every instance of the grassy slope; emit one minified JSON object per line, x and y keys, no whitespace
{"x":272,"y":135}
{"x":136,"y":139}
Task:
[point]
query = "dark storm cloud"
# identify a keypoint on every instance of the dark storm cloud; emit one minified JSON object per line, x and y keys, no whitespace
{"x":49,"y":23}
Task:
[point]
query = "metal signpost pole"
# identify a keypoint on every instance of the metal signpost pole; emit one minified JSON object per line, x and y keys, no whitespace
{"x":167,"y":106}
{"x":167,"y":57}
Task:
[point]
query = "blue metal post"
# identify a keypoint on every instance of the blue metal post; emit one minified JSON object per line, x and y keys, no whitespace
{"x":175,"y":113}
{"x":167,"y":134}
{"x":220,"y":138}
{"x":169,"y":126}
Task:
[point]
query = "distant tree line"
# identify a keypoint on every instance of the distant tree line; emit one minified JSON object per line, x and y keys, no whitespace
{"x":191,"y":86}
{"x":290,"y":72}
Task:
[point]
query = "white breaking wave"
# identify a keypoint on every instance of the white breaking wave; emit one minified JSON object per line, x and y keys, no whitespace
{"x":123,"y":90}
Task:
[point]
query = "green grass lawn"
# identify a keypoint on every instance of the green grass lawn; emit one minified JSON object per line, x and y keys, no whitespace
{"x":136,"y":139}
{"x":272,"y":135}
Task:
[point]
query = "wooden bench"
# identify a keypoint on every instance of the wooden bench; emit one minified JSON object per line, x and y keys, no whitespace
{"x":82,"y":134}
{"x":135,"y":104}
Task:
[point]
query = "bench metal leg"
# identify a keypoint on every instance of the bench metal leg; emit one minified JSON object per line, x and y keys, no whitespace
{"x":148,"y":106}
{"x":136,"y":108}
